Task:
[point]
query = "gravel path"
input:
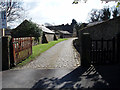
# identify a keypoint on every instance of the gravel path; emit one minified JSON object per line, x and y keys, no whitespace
{"x":62,"y":55}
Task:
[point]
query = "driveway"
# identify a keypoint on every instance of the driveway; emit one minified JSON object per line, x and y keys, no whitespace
{"x":62,"y":55}
{"x":59,"y":67}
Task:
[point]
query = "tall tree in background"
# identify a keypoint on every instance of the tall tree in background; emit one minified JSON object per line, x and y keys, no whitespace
{"x":105,"y":14}
{"x":73,"y":26}
{"x":94,"y":15}
{"x":74,"y":22}
{"x":115,"y":13}
{"x":13,"y":9}
{"x":78,"y":28}
{"x":99,"y":15}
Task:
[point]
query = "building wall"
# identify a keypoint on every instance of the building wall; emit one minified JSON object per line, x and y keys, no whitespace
{"x":105,"y":30}
{"x":0,"y":21}
{"x":35,"y":42}
{"x":0,"y":25}
{"x":67,"y":35}
{"x":58,"y":36}
{"x":50,"y":37}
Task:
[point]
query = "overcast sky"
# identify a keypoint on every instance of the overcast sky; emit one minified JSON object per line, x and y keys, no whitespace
{"x":61,"y":11}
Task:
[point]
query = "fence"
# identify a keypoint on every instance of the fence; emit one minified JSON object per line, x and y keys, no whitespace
{"x":22,"y":48}
{"x":103,"y":51}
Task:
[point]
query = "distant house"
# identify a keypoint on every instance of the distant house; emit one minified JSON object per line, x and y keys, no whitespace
{"x":48,"y":35}
{"x":28,"y":29}
{"x":57,"y":33}
{"x":65,"y":34}
{"x":62,"y":34}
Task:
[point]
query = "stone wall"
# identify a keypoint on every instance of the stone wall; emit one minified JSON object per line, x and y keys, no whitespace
{"x":0,"y":53}
{"x":50,"y":37}
{"x":106,"y":30}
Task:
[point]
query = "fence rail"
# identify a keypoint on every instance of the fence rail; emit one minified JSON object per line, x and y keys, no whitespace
{"x":22,"y":48}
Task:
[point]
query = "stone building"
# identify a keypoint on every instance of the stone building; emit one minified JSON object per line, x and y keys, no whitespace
{"x":26,"y":29}
{"x":65,"y":34}
{"x":47,"y":33}
{"x":106,"y":29}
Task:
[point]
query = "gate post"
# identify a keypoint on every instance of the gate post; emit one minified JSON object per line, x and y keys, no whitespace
{"x":86,"y":47}
{"x":118,"y":47}
{"x":11,"y":54}
{"x":5,"y":54}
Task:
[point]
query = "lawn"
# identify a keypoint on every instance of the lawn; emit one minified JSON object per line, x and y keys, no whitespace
{"x":38,"y":49}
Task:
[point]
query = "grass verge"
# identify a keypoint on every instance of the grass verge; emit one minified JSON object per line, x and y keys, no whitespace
{"x":38,"y":49}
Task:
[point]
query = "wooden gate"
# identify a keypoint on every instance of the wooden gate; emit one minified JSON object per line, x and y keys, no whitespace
{"x":22,"y":48}
{"x":103,"y":51}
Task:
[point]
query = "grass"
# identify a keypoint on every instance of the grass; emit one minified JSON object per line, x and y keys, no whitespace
{"x":38,"y":49}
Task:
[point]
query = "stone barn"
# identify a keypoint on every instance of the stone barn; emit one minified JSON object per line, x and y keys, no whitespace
{"x":62,"y":34}
{"x":48,"y":35}
{"x":65,"y":34}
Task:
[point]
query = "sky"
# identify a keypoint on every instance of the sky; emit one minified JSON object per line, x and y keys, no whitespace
{"x":58,"y":12}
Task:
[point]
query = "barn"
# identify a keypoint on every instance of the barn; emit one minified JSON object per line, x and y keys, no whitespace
{"x":47,"y":34}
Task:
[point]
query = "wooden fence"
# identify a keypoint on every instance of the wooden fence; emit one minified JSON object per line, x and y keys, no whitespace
{"x":103,"y":51}
{"x":22,"y":48}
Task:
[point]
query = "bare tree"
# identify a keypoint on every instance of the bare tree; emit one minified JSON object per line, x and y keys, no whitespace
{"x":115,"y":13}
{"x":94,"y":15}
{"x":105,"y":14}
{"x":13,"y":9}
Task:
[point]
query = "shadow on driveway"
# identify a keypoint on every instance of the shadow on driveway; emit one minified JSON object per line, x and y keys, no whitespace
{"x":81,"y":77}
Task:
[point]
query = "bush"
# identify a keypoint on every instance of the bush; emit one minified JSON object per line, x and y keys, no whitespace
{"x":44,"y":39}
{"x":55,"y":38}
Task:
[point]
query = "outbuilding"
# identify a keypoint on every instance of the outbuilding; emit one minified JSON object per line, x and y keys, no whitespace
{"x":47,"y":35}
{"x":65,"y":34}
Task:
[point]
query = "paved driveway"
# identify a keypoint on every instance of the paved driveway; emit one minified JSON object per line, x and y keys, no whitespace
{"x":62,"y":55}
{"x":59,"y":68}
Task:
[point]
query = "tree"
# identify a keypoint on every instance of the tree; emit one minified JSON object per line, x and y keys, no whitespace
{"x":27,"y":29}
{"x":105,"y":14}
{"x":73,"y":22}
{"x":44,"y":39}
{"x":99,"y":15}
{"x":94,"y":15}
{"x":73,"y":26}
{"x":78,"y":28}
{"x":115,"y":13}
{"x":13,"y":9}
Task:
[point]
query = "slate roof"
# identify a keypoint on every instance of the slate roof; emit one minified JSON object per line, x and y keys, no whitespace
{"x":44,"y":29}
{"x":64,"y":32}
{"x":94,"y":23}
